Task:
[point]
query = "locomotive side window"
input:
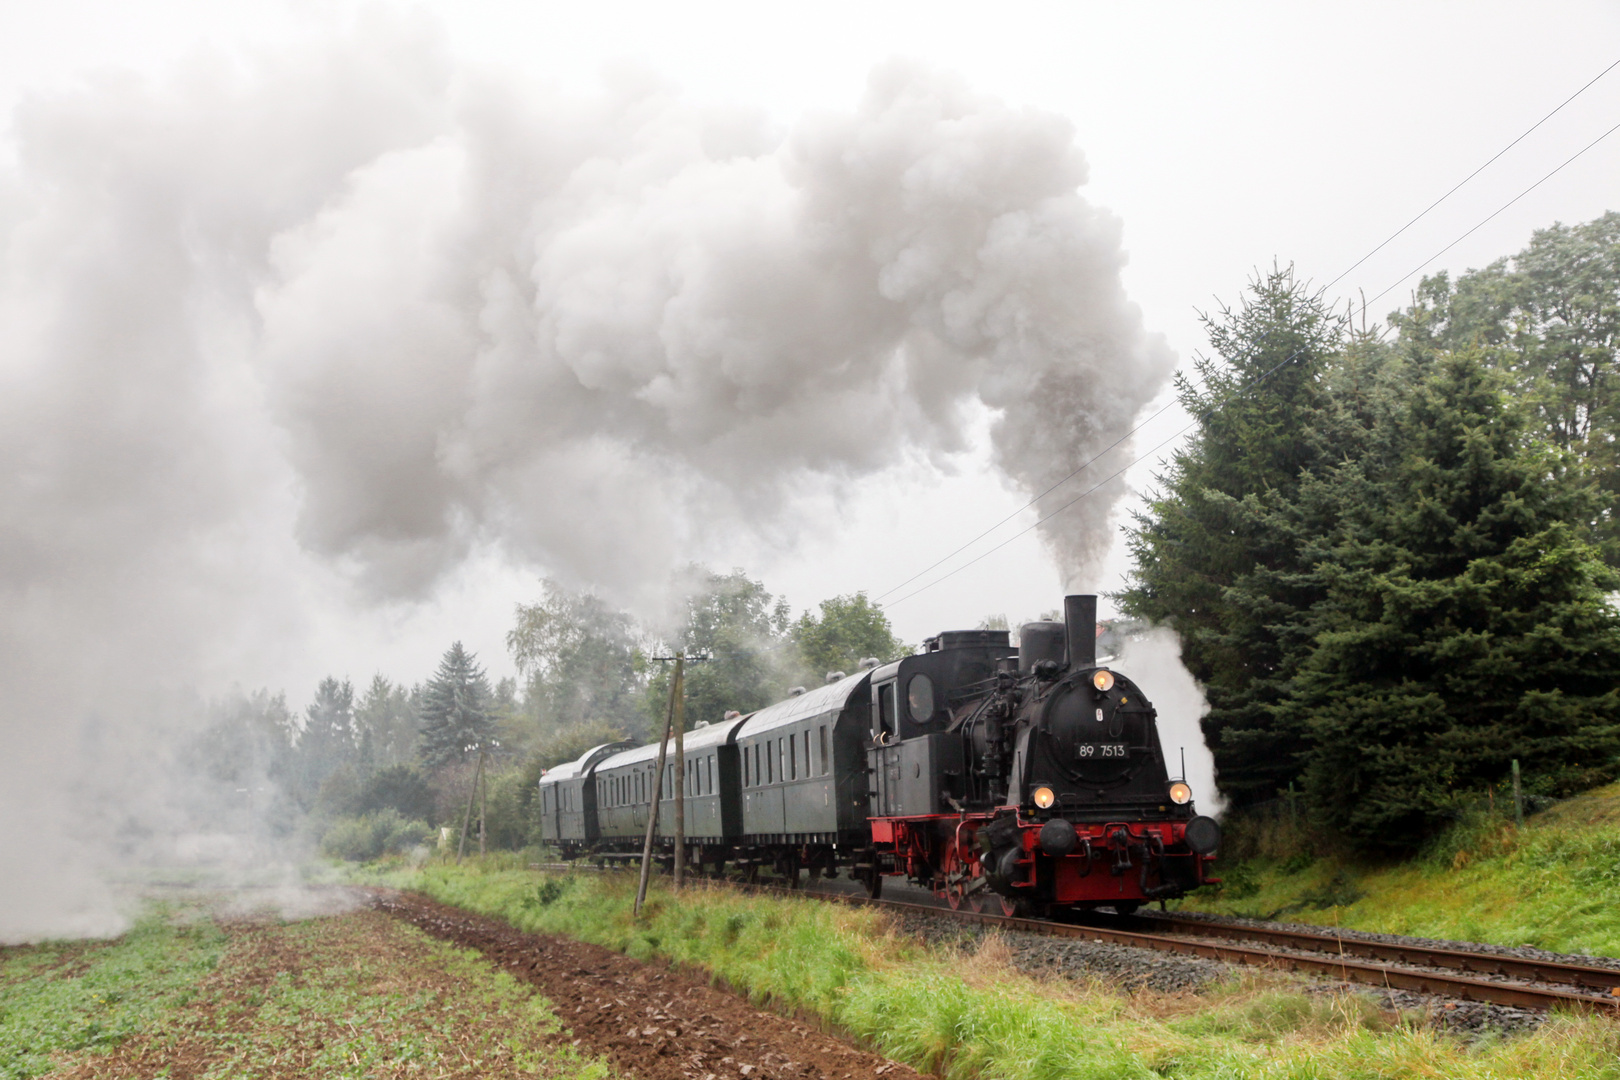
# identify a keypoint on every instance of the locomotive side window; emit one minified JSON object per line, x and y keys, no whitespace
{"x":886,"y":713}
{"x":920,"y":696}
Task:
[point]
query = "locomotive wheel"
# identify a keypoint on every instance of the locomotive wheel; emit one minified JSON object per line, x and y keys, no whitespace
{"x":1020,"y":908}
{"x":958,"y":884}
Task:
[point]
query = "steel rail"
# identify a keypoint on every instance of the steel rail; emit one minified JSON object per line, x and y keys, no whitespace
{"x":1513,"y":967}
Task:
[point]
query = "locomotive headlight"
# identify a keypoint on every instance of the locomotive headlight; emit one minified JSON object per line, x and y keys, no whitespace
{"x":1103,"y":680}
{"x":1044,"y":798}
{"x":1180,"y":793}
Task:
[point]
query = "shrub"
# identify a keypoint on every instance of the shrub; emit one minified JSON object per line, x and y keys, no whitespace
{"x":371,"y":835}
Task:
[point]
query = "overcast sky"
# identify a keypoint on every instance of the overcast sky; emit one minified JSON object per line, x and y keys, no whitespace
{"x":1223,"y":136}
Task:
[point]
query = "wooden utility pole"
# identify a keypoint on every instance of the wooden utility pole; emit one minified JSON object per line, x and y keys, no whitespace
{"x":1518,"y":797}
{"x":657,"y":788}
{"x":466,"y":821}
{"x":679,"y":721}
{"x":483,"y":813}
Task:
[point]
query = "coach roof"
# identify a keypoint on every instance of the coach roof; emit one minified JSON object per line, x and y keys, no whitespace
{"x":823,"y":699}
{"x":697,"y":739}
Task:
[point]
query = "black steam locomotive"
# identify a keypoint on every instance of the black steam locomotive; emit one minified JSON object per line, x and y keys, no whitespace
{"x":1029,"y":776}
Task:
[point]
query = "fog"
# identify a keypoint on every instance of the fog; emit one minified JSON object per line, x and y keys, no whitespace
{"x":300,"y":332}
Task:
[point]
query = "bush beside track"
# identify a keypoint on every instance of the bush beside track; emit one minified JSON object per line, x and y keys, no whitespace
{"x":968,"y":1014}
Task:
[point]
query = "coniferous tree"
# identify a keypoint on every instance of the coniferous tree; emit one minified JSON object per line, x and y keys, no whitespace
{"x":1398,"y":599}
{"x":1462,"y":623}
{"x":1549,"y":318}
{"x":327,"y":742}
{"x":1212,"y":558}
{"x":454,"y":710}
{"x":387,"y":726}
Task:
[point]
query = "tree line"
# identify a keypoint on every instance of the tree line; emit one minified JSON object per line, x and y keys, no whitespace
{"x":1390,"y":551}
{"x":386,"y":768}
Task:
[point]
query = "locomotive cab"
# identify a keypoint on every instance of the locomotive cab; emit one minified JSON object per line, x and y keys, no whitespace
{"x":916,"y":757}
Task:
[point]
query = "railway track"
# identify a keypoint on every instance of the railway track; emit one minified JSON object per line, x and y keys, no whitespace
{"x":1436,"y":970}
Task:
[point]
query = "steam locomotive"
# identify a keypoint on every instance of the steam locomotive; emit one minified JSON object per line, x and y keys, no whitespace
{"x":1028,"y":777}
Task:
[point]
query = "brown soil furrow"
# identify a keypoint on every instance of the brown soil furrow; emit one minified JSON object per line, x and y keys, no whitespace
{"x":651,"y":1021}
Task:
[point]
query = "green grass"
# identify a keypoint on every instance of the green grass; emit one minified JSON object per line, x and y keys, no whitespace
{"x":345,"y":996}
{"x":61,"y":997}
{"x":1554,"y":884}
{"x":362,"y":996}
{"x":970,"y":1016}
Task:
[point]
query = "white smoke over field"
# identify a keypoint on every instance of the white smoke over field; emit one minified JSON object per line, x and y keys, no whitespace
{"x":305,"y":329}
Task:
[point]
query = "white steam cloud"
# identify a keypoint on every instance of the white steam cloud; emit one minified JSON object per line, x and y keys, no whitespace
{"x":338,"y":316}
{"x":1154,"y":656}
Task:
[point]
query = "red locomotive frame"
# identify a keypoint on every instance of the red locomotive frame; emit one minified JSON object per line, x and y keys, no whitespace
{"x":1111,"y":864}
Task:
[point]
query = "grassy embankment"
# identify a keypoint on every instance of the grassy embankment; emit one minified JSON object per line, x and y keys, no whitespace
{"x":350,"y":995}
{"x":1554,"y":884}
{"x":972,"y":1016}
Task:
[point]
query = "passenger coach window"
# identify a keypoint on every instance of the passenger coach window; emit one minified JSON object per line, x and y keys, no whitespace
{"x":770,"y":767}
{"x":793,"y":758}
{"x":821,"y":736}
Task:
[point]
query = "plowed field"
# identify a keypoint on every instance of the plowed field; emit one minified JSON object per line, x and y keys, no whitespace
{"x":652,"y":1022}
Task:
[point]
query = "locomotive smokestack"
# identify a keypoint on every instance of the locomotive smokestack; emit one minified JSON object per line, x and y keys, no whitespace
{"x":1080,"y":624}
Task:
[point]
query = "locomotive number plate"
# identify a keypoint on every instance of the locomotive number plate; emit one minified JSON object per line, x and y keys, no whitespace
{"x":1100,"y":750}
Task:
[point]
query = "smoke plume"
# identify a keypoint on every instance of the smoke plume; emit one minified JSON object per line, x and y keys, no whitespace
{"x":281,"y":331}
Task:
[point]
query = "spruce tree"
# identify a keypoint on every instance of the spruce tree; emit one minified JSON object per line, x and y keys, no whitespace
{"x":1462,"y":622}
{"x":1215,"y":557}
{"x":455,"y":710}
{"x":327,"y":741}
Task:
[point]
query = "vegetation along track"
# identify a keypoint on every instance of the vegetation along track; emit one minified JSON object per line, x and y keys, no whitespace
{"x":1490,"y":977}
{"x":1436,"y":970}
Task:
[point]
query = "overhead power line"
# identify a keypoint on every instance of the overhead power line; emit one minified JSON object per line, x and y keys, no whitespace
{"x":1498,"y":210}
{"x":1255,"y":382}
{"x":1471,"y":175}
{"x":1078,"y":469}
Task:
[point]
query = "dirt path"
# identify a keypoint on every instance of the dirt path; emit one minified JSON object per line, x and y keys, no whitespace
{"x":651,"y":1021}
